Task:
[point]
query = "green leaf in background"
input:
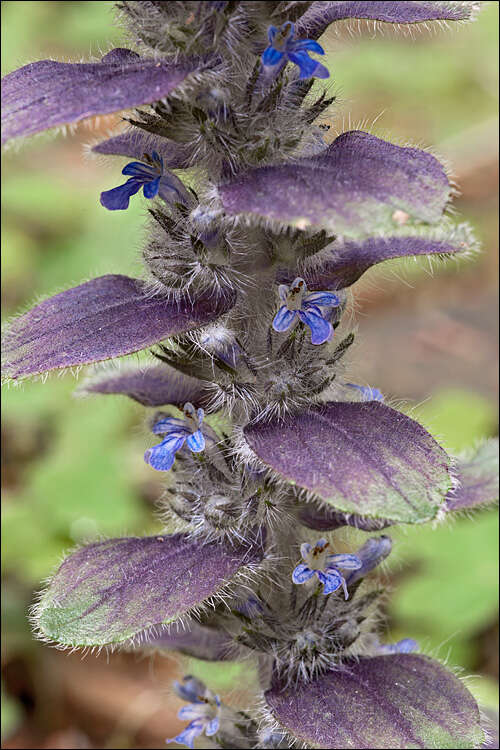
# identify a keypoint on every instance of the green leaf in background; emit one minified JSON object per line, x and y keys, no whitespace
{"x":450,"y":572}
{"x":82,"y":486}
{"x":224,"y":676}
{"x":11,"y":715}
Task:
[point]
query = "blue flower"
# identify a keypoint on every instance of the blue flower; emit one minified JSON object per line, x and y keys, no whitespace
{"x":177,"y":432}
{"x":154,"y":181}
{"x":190,"y":689}
{"x":370,"y":554}
{"x":202,"y":712}
{"x":306,"y":308}
{"x":318,"y":561}
{"x":283,"y":48}
{"x":405,"y":646}
{"x":368,"y":393}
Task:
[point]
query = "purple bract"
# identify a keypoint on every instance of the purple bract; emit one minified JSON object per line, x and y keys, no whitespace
{"x":101,"y":319}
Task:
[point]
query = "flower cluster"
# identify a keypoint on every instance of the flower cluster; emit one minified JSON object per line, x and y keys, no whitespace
{"x":275,"y":443}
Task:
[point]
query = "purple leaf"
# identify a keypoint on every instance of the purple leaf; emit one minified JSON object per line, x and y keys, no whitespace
{"x":362,"y":458}
{"x":103,"y":318}
{"x":321,"y":519}
{"x":150,"y":386}
{"x":111,"y":591}
{"x":345,"y":262}
{"x":196,"y":640}
{"x":358,"y":184}
{"x":135,"y":143}
{"x":320,"y":15}
{"x":48,"y":93}
{"x":478,"y":475}
{"x":396,"y":701}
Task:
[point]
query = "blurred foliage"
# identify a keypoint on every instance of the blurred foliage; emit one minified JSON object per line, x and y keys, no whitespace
{"x":447,"y":590}
{"x":72,"y":467}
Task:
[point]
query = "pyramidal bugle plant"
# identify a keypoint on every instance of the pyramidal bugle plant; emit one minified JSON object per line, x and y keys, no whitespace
{"x":259,"y":223}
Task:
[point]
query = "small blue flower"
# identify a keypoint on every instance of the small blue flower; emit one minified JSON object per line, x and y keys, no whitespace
{"x":370,"y":554}
{"x":405,"y":646}
{"x":202,"y":712}
{"x":306,"y":308}
{"x":283,"y":48}
{"x":154,"y":181}
{"x":190,"y":689}
{"x":368,"y":393}
{"x":177,"y":432}
{"x":318,"y":561}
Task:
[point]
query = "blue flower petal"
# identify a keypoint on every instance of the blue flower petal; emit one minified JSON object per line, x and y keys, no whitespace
{"x":118,"y":198}
{"x":309,"y":68}
{"x":190,"y":733}
{"x":306,"y":44}
{"x":138,"y":169}
{"x":271,"y":33}
{"x":283,"y":290}
{"x":344,"y":561}
{"x":172,"y":190}
{"x":189,"y":712}
{"x":331,"y":579}
{"x":321,"y":329}
{"x":406,"y":646}
{"x":271,"y":56}
{"x":190,"y":689}
{"x":212,"y":727}
{"x":320,"y":543}
{"x":305,"y":548}
{"x":151,"y":188}
{"x":302,"y":573}
{"x":325,"y":299}
{"x":321,"y":71}
{"x":284,"y":319}
{"x":200,"y":413}
{"x":368,"y":393}
{"x":161,"y":457}
{"x":157,"y":159}
{"x":196,"y":441}
{"x":159,"y":460}
{"x":168,"y":424}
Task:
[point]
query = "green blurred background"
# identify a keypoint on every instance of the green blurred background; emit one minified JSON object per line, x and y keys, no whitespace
{"x":72,"y":468}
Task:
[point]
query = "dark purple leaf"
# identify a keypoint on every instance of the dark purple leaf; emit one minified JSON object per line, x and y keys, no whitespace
{"x":103,"y":318}
{"x":150,"y":386}
{"x":478,"y":476}
{"x":196,"y":640}
{"x":362,"y":458}
{"x":320,"y":15}
{"x":345,"y":262}
{"x":359,"y":184}
{"x":48,"y":93}
{"x":396,"y":701}
{"x":111,"y":591}
{"x":136,"y":143}
{"x":321,"y":519}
